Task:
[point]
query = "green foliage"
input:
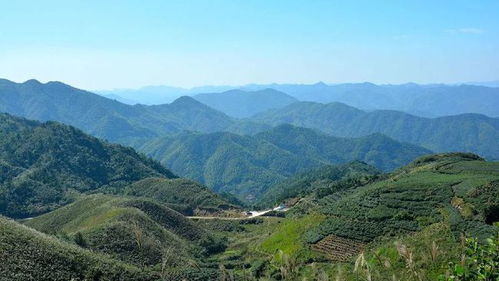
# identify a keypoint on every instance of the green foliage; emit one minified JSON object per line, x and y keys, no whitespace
{"x":247,"y":165}
{"x":79,"y":240}
{"x":221,"y":225}
{"x":480,"y":261}
{"x":467,"y":132}
{"x":321,"y":179}
{"x":132,"y":230}
{"x":415,"y":196}
{"x":287,"y":237}
{"x":196,"y":198}
{"x":106,"y":118}
{"x":29,"y":255}
{"x":45,"y":165}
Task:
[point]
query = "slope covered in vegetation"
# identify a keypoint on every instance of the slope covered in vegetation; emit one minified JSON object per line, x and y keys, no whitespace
{"x":247,"y":165}
{"x":44,"y":165}
{"x":133,"y":230}
{"x":106,"y":118}
{"x":460,"y":188}
{"x":429,"y":220}
{"x":467,"y":132}
{"x":30,"y":255}
{"x":323,"y":177}
{"x":185,"y":196}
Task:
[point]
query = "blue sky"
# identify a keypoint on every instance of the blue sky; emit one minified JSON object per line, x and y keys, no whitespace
{"x":128,"y":44}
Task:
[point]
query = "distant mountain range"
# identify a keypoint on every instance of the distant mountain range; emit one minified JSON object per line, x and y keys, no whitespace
{"x":151,"y":95}
{"x":247,"y":165}
{"x":432,"y":100}
{"x":105,"y":118}
{"x":423,"y":100}
{"x":466,"y":132}
{"x":218,"y":147}
{"x":240,"y":104}
{"x":484,"y":83}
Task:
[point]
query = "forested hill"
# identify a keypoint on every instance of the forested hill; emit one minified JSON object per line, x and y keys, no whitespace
{"x":467,"y":132}
{"x":44,"y":165}
{"x":104,"y":117}
{"x":247,"y":165}
{"x":324,"y":177}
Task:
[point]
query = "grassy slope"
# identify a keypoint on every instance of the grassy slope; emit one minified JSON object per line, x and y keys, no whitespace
{"x":30,"y":255}
{"x":287,"y":236}
{"x":185,"y":196}
{"x":133,"y":230}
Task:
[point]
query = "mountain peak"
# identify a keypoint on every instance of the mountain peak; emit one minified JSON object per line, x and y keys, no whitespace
{"x":32,"y":82}
{"x":185,"y":100}
{"x":321,"y":84}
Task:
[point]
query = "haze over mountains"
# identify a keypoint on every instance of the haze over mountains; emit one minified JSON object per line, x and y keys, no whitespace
{"x":103,"y":117}
{"x":241,"y":104}
{"x":426,"y":100}
{"x":431,"y":100}
{"x":151,"y":95}
{"x":219,"y":150}
{"x":193,"y":141}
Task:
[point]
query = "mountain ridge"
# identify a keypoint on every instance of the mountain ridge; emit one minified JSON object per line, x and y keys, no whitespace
{"x":466,"y":132}
{"x":246,"y":165}
{"x":103,"y":117}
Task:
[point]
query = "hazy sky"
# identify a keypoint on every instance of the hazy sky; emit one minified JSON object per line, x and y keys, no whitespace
{"x":123,"y":44}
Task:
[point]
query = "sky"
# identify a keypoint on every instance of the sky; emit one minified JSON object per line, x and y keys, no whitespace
{"x":99,"y":45}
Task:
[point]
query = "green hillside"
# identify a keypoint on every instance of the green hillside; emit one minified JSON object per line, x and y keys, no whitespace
{"x":132,"y":230}
{"x":241,"y":104}
{"x":106,"y":118}
{"x":321,"y":178}
{"x":459,"y":188}
{"x":467,"y":132}
{"x":248,"y":165}
{"x":30,"y":255}
{"x":45,"y":165}
{"x":185,"y":196}
{"x":414,"y":224}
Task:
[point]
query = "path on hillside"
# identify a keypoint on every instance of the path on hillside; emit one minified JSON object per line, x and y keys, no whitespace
{"x":254,"y":214}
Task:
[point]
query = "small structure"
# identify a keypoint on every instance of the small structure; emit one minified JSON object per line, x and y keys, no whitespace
{"x":280,"y":207}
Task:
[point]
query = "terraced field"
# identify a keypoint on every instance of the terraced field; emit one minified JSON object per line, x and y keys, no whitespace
{"x":338,"y":248}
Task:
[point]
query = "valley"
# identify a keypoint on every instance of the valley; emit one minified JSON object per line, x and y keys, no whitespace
{"x":307,"y":191}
